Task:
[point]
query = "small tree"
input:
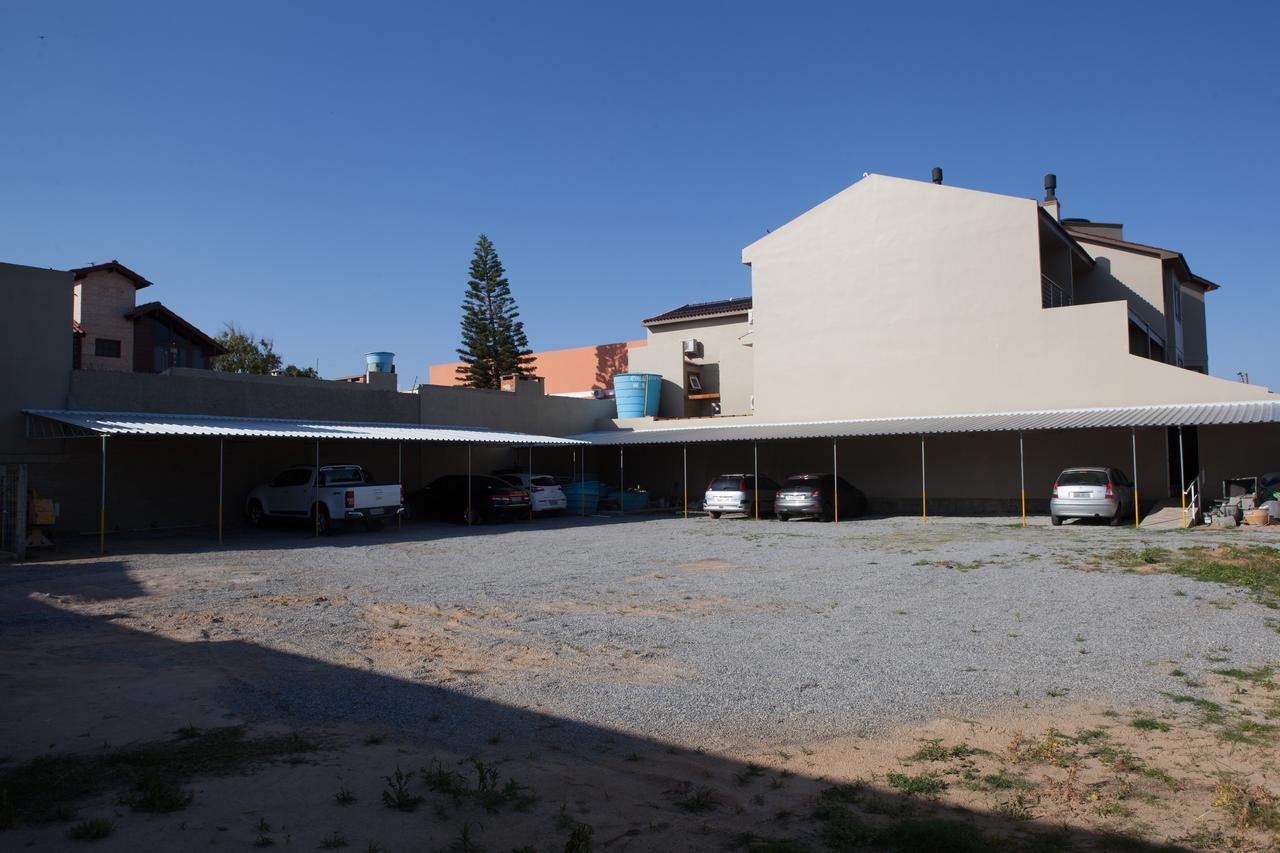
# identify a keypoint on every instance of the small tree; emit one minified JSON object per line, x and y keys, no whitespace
{"x":493,"y":340}
{"x":246,"y":355}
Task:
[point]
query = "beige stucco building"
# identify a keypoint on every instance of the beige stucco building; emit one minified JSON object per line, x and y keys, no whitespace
{"x":899,"y":298}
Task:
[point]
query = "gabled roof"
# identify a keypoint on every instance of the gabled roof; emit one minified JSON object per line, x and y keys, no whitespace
{"x":155,"y":308}
{"x":736,"y":305}
{"x":1143,"y":249}
{"x":116,"y":267}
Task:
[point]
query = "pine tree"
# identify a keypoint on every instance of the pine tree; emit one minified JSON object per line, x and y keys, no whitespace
{"x":493,"y":339}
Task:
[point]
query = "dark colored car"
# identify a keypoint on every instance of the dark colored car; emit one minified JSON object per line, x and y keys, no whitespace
{"x":815,"y":495}
{"x":489,"y":499}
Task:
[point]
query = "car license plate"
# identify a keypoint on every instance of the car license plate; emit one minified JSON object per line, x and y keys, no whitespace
{"x":1079,"y":494}
{"x":377,"y":510}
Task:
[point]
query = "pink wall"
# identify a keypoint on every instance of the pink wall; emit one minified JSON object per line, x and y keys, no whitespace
{"x":565,"y":371}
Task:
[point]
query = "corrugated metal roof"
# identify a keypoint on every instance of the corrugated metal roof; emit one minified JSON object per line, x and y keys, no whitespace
{"x":132,"y":423}
{"x":736,"y":305}
{"x":1189,"y":414}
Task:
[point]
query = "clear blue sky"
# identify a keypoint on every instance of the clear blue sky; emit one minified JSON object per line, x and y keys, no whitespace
{"x":319,"y":172}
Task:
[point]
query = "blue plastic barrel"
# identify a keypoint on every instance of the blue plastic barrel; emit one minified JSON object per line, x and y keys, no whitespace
{"x":637,"y":394}
{"x":582,"y":498}
{"x":631,"y":501}
{"x":380,"y":362}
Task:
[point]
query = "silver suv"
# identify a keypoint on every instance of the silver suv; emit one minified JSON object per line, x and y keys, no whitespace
{"x":737,"y":493}
{"x":1091,"y":493}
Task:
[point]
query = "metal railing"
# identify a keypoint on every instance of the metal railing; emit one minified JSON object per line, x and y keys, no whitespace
{"x":1191,"y":504}
{"x":1052,"y":294}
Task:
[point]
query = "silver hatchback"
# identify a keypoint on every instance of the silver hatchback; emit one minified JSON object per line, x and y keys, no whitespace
{"x":736,"y":493}
{"x":1091,"y":493}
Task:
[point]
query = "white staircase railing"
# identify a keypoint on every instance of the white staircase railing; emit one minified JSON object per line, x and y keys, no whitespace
{"x":1191,"y":504}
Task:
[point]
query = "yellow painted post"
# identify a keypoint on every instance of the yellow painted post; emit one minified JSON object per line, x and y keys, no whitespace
{"x":1182,"y":479}
{"x":102,"y":505}
{"x":924,"y":495}
{"x":684,"y":451}
{"x":755,"y":477}
{"x":220,"y":499}
{"x":400,"y":480}
{"x":1022,"y":478}
{"x":1133,"y":437}
{"x":835,"y":483}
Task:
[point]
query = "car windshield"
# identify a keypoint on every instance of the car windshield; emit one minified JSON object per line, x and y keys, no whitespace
{"x":1082,"y":478}
{"x":806,"y":480}
{"x":728,"y":484}
{"x":544,"y":481}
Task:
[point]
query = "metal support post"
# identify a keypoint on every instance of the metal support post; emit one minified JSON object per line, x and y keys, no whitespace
{"x":220,"y":500}
{"x":924,"y":493}
{"x":102,"y":504}
{"x":1022,"y":479}
{"x":1133,"y":437}
{"x":1182,"y":479}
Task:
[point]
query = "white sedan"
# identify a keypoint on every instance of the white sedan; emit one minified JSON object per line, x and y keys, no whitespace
{"x":546,"y":492}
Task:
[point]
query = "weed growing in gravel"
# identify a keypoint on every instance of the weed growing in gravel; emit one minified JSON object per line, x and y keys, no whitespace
{"x":1149,"y":724}
{"x":465,"y":843}
{"x":43,"y":788}
{"x":443,"y":780}
{"x":493,"y":797}
{"x":344,"y":797}
{"x":156,"y":794}
{"x":1003,"y":781}
{"x":923,"y":784}
{"x":397,"y":794}
{"x":1260,"y":675}
{"x":690,"y":799}
{"x":579,"y":839}
{"x":1053,"y":748}
{"x":1249,"y":807}
{"x":934,"y":750}
{"x":95,"y":829}
{"x":1018,"y":808}
{"x":750,"y":773}
{"x":333,"y":841}
{"x":1248,"y":732}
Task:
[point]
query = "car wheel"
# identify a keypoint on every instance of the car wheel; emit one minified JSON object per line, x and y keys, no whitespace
{"x":470,"y":516}
{"x":256,"y":516}
{"x":321,"y":517}
{"x":782,"y":516}
{"x":1055,"y":520}
{"x":714,"y":514}
{"x":1118,"y":517}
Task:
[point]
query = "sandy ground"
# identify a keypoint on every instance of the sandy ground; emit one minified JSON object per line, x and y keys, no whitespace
{"x":84,"y":671}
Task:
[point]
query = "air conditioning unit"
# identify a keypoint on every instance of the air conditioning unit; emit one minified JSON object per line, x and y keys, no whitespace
{"x":692,"y":348}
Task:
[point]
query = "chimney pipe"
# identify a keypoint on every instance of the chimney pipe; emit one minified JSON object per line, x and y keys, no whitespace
{"x":937,"y":174}
{"x":1050,"y":187}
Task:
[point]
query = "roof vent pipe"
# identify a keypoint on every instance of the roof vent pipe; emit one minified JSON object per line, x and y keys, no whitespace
{"x":937,"y":174}
{"x":1050,"y":187}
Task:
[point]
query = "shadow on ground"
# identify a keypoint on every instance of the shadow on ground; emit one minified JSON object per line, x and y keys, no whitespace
{"x":86,"y":685}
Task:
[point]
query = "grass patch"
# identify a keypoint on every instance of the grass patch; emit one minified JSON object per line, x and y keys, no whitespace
{"x":699,"y":799}
{"x":1254,"y":567}
{"x":44,"y":788}
{"x":1248,"y":732}
{"x":1149,"y":724}
{"x":934,"y":750}
{"x":91,"y":830}
{"x":922,"y":785}
{"x":1260,"y":675}
{"x":1006,"y":782}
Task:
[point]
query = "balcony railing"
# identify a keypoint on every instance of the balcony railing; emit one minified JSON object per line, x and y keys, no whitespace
{"x":1052,"y":294}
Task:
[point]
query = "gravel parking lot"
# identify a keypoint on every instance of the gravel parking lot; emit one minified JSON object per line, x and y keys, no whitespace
{"x":717,"y":633}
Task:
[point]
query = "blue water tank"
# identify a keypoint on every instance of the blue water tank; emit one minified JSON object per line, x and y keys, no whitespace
{"x":637,"y":394}
{"x":582,"y":498}
{"x":380,"y":362}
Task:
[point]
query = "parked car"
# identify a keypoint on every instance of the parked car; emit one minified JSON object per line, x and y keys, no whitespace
{"x":731,"y":493}
{"x":344,"y":492}
{"x":547,"y":494}
{"x":815,"y":495}
{"x":1091,"y":493}
{"x":489,"y":499}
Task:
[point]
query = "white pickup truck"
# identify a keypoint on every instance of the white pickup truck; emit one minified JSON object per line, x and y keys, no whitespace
{"x":344,"y":492}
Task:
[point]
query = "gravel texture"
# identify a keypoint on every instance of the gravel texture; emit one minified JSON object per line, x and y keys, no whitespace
{"x":719,"y":633}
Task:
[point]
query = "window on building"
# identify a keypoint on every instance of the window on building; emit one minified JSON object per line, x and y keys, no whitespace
{"x":106,"y":348}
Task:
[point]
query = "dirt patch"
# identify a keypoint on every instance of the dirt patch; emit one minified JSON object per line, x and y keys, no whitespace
{"x":710,"y":564}
{"x":688,"y":606}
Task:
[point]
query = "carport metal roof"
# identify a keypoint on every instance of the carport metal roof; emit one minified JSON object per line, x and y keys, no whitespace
{"x":1187,"y":414}
{"x":153,"y":424}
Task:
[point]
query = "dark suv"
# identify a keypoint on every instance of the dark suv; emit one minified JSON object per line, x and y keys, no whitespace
{"x":815,"y":496}
{"x":489,"y":499}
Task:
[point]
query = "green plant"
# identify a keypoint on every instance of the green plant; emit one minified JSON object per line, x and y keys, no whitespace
{"x":923,"y":784}
{"x":751,"y":772}
{"x":934,"y":750}
{"x":156,"y":794}
{"x":699,"y":799}
{"x":344,"y":797}
{"x":579,"y":839}
{"x":1149,"y":724}
{"x":1016,"y":809}
{"x":94,"y":829}
{"x":333,"y":841}
{"x":397,"y":794}
{"x":465,"y":843}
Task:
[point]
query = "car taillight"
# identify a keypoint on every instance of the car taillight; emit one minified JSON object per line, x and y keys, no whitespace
{"x":815,"y":494}
{"x":1055,"y":490}
{"x":351,"y":499}
{"x":1110,"y":492}
{"x":742,"y":485}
